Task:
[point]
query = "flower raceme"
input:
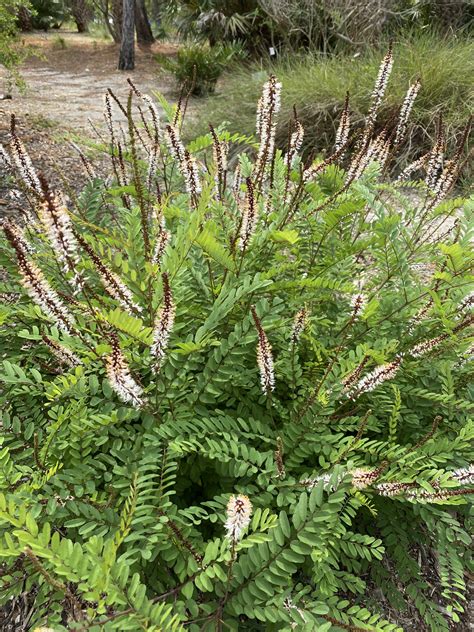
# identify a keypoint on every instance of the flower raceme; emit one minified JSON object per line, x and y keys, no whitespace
{"x":23,"y":161}
{"x":267,"y":111}
{"x":299,"y":323}
{"x":187,"y":163}
{"x":112,"y":283}
{"x":57,"y":224}
{"x":264,"y":357}
{"x":239,"y":511}
{"x":120,"y":377}
{"x":249,"y":217}
{"x":35,"y":283}
{"x":163,"y":324}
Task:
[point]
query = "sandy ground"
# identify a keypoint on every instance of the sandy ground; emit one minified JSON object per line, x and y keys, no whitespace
{"x":66,"y":81}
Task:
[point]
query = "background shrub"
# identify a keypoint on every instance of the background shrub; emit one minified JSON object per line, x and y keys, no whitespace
{"x":199,"y":67}
{"x":315,"y":25}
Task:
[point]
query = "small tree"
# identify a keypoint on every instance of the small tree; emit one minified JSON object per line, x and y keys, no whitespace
{"x":127,"y":47}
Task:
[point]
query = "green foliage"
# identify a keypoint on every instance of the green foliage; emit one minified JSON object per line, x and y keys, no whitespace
{"x":314,"y":25}
{"x":117,"y":463}
{"x":10,"y":53}
{"x":200,"y":67}
{"x":48,"y":14}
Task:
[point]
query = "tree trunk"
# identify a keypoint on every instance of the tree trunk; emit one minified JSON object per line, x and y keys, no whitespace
{"x":127,"y":47}
{"x":117,"y":18}
{"x":82,"y":14}
{"x":142,"y":24}
{"x":24,"y":19}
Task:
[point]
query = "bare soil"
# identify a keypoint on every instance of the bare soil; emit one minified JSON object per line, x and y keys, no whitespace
{"x":66,"y":78}
{"x":70,"y":72}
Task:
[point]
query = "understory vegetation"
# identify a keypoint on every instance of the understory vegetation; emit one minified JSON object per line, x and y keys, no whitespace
{"x":316,"y":86}
{"x":237,"y":396}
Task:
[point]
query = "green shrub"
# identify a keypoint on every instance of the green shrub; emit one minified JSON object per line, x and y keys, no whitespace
{"x":48,"y":14}
{"x":200,"y":67}
{"x":317,"y":87}
{"x":11,"y":53}
{"x":315,"y":25}
{"x":291,"y":336}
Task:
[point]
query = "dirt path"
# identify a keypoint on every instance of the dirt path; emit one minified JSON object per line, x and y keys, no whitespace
{"x":65,"y":84}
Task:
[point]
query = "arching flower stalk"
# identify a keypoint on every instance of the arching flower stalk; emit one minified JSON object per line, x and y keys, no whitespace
{"x":88,"y":166}
{"x":54,"y":216}
{"x":112,"y":283}
{"x":187,"y":164}
{"x":122,"y":169}
{"x":445,"y":182}
{"x":467,"y":303}
{"x":393,"y":489}
{"x":109,"y":117}
{"x":299,"y":323}
{"x":249,"y":217}
{"x":174,"y":143}
{"x":5,"y":160}
{"x":376,"y":151}
{"x":376,"y":377}
{"x":413,"y":167}
{"x":191,"y":175}
{"x":379,"y":92}
{"x":296,"y":142}
{"x":16,"y":236}
{"x":162,"y":241}
{"x":358,"y":302}
{"x":236,"y":183}
{"x":264,"y":357}
{"x":464,"y":475}
{"x":434,"y":167}
{"x":164,"y":322}
{"x":420,"y":315}
{"x":219,"y":151}
{"x":23,"y":161}
{"x":351,"y":379}
{"x":313,"y":170}
{"x":294,"y":146}
{"x":405,"y":111}
{"x":342,"y":134}
{"x":267,"y":111}
{"x":36,"y":284}
{"x":239,"y":511}
{"x":120,"y":377}
{"x":442,"y":495}
{"x":64,"y":355}
{"x":426,"y":346}
{"x":152,"y":165}
{"x":363,"y":477}
{"x":155,"y":118}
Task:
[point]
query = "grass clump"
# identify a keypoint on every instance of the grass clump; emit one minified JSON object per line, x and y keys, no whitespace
{"x":317,"y":86}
